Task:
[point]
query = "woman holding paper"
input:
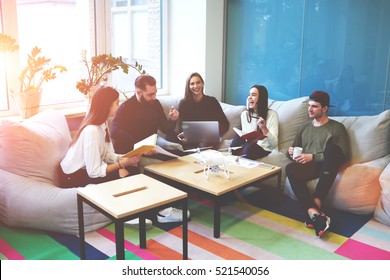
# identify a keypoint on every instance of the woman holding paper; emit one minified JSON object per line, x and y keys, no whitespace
{"x":91,"y":158}
{"x":257,"y":117}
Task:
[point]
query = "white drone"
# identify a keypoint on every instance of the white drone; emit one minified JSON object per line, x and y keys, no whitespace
{"x":214,"y":161}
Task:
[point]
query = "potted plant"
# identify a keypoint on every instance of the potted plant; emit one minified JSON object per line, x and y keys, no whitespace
{"x":37,"y":71}
{"x":98,"y":69}
{"x":7,"y":43}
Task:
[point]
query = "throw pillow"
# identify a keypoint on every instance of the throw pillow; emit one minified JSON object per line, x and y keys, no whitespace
{"x":356,"y":188}
{"x":369,"y":136}
{"x":233,"y":114}
{"x":292,"y":114}
{"x":34,"y":147}
{"x":382,"y":210}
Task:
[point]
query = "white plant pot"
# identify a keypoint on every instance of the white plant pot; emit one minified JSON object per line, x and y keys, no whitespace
{"x":28,"y":103}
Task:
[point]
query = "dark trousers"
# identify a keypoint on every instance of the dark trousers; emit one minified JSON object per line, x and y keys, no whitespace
{"x":326,"y":170}
{"x":81,"y":178}
{"x":250,"y":149}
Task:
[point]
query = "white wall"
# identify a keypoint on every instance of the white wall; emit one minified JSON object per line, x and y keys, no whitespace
{"x":195,"y":35}
{"x":214,"y":48}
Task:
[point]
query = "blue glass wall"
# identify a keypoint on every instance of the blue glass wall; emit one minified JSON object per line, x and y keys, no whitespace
{"x":294,"y":47}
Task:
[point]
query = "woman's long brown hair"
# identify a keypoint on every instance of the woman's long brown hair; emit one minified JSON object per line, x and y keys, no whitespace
{"x":99,"y":110}
{"x":262,"y":104}
{"x":188,"y":92}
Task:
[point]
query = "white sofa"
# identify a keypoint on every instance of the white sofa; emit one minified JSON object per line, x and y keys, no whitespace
{"x":29,"y":197}
{"x":31,"y":151}
{"x":357,"y":189}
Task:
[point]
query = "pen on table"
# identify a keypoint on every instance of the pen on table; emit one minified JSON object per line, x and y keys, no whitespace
{"x":267,"y":165}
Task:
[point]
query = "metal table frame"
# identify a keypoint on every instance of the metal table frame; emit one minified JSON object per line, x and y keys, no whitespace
{"x":216,"y":198}
{"x":119,"y":226}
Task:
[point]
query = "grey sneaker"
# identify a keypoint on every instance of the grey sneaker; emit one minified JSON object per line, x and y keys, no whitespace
{"x":171,"y":215}
{"x":135,"y":223}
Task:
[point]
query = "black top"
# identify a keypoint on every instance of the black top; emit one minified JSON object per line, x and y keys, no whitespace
{"x":208,"y":109}
{"x":134,"y":121}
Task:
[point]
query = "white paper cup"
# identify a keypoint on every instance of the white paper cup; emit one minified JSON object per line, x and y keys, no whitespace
{"x":297,"y":151}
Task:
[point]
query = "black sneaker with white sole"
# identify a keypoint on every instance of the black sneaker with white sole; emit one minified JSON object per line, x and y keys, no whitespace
{"x":321,"y":223}
{"x":309,"y":223}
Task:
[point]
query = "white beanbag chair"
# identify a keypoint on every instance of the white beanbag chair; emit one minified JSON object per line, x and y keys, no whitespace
{"x":29,"y":197}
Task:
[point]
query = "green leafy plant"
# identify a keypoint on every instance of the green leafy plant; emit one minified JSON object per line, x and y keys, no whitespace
{"x":99,"y":67}
{"x":7,"y":43}
{"x":37,"y":71}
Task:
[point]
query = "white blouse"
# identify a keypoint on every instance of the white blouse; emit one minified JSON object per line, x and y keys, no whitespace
{"x":91,"y":152}
{"x":271,"y":141}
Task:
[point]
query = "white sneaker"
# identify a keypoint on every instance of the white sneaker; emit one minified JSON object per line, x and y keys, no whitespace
{"x":135,"y":223}
{"x":171,"y":215}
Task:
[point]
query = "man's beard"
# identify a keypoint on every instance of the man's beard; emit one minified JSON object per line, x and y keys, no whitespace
{"x":143,"y":101}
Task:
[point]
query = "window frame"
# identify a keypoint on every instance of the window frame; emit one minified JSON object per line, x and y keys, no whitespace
{"x":102,"y":44}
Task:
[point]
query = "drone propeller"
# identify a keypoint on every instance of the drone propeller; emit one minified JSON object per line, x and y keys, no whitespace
{"x":230,"y":148}
{"x":197,"y":149}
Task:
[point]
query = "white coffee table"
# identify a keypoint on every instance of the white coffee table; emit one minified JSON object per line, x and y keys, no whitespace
{"x":188,"y":171}
{"x":128,"y":198}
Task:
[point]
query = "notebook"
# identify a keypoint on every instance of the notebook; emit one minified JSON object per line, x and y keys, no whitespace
{"x":201,"y":133}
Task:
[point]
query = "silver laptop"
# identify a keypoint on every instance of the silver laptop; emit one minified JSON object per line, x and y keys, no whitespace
{"x":201,"y":133}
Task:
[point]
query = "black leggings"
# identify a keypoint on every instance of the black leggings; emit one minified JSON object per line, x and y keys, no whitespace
{"x":250,"y":149}
{"x":326,"y":170}
{"x":80,"y":178}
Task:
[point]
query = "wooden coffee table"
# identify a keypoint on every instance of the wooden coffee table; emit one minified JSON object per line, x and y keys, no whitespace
{"x":188,"y":171}
{"x":128,"y":198}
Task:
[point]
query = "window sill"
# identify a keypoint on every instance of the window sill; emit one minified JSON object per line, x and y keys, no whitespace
{"x":74,"y":112}
{"x":69,"y":113}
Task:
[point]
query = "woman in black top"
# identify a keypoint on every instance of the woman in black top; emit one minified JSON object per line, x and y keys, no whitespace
{"x":196,"y":106}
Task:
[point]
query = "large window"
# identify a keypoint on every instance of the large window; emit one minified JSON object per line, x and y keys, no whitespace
{"x":295,"y":47}
{"x":63,"y":28}
{"x":136,"y":36}
{"x":3,"y":84}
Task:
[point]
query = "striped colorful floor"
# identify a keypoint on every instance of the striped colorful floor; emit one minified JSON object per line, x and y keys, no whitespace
{"x":248,"y":232}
